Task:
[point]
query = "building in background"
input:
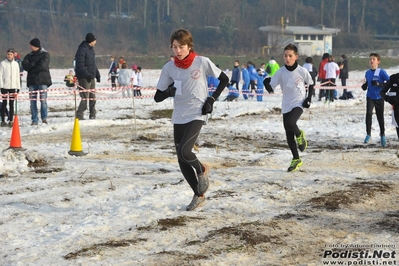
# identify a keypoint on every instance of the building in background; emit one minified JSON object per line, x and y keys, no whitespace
{"x":310,"y":40}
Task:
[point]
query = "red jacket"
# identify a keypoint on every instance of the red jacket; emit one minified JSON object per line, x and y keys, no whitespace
{"x":322,"y":72}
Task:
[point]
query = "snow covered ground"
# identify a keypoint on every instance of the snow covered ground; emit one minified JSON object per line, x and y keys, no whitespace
{"x":124,"y":202}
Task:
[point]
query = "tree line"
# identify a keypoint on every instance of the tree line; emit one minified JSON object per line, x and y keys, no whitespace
{"x":223,"y":27}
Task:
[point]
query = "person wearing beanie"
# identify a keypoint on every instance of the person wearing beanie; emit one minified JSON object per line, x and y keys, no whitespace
{"x":87,"y":73}
{"x":35,"y":42}
{"x":37,"y":64}
{"x":9,"y":84}
{"x":90,"y":37}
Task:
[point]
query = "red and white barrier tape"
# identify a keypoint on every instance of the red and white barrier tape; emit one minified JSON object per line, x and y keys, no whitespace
{"x":111,"y":91}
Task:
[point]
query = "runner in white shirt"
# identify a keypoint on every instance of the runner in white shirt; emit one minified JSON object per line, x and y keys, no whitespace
{"x":185,"y":79}
{"x":292,"y":79}
{"x":332,"y":72}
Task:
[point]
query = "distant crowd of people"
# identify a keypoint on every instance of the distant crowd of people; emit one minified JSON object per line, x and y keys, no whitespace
{"x":85,"y":74}
{"x":36,"y":64}
{"x":253,"y":79}
{"x":128,"y":79}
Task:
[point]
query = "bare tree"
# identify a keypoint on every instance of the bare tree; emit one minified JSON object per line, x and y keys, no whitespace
{"x":92,"y":6}
{"x":362,"y":35}
{"x":159,"y":17}
{"x":145,"y":13}
{"x":52,"y":15}
{"x":296,"y":10}
{"x":361,"y":24}
{"x":118,"y":6}
{"x":95,"y":11}
{"x":335,"y":14}
{"x":227,"y":30}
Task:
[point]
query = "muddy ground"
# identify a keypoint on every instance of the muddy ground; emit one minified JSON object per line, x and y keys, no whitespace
{"x":351,"y":196}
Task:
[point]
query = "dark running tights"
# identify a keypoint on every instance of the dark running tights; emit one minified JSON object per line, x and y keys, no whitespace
{"x":252,"y":85}
{"x":185,"y":136}
{"x":396,"y":114}
{"x":7,"y":93}
{"x":379,"y":111}
{"x":330,"y":92}
{"x":292,"y":130}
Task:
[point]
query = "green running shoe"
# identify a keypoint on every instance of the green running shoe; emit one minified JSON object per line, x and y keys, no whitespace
{"x":301,"y":140}
{"x":295,"y":164}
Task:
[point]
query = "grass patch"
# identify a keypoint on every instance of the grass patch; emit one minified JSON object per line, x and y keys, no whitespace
{"x":158,"y":114}
{"x":50,"y":170}
{"x":37,"y":163}
{"x":65,"y":109}
{"x":95,"y":249}
{"x":168,"y":223}
{"x":390,"y":222}
{"x":356,"y":193}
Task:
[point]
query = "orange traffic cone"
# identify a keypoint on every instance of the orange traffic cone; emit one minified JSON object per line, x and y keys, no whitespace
{"x":15,"y":142}
{"x":76,"y":143}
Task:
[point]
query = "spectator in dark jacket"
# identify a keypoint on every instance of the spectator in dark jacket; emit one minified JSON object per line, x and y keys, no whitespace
{"x":309,"y":65}
{"x":113,"y":72}
{"x":253,"y":77}
{"x":343,"y":74}
{"x":236,"y":76}
{"x":37,"y":64}
{"x":87,"y":74}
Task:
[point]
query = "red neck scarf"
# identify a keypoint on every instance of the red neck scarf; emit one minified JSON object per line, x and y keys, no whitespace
{"x":186,"y":62}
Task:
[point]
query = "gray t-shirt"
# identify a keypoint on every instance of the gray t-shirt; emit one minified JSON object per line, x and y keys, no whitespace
{"x":125,"y":77}
{"x":191,"y":87}
{"x":292,"y":84}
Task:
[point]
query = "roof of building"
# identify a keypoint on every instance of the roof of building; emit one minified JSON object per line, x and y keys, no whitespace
{"x":292,"y":30}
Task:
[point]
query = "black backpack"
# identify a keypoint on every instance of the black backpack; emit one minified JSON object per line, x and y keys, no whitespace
{"x":268,"y":69}
{"x":347,"y":95}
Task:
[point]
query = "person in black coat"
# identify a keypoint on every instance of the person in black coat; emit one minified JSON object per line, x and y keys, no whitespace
{"x":343,"y":73}
{"x":37,"y":64}
{"x":390,"y":94}
{"x":87,"y":73}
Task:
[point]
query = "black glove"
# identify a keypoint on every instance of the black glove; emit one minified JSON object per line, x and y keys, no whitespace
{"x":306,"y":103}
{"x":364,"y":86}
{"x":376,"y":83}
{"x":391,"y":99}
{"x":162,"y":95}
{"x":266,"y":83}
{"x":170,"y":91}
{"x":89,"y":78}
{"x":208,"y":106}
{"x":98,"y":79}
